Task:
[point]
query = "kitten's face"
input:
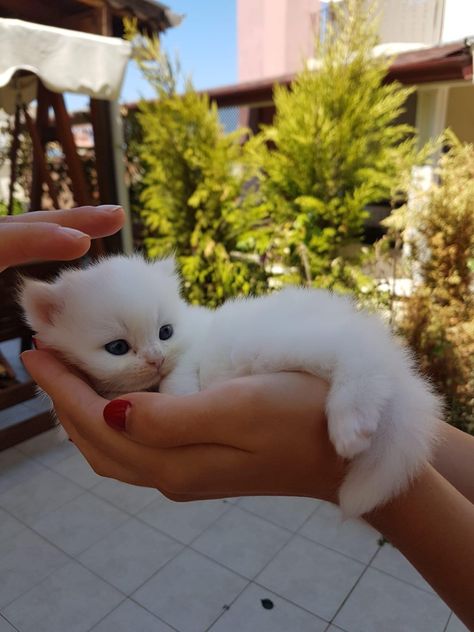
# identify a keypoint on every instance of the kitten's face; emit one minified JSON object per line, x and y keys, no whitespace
{"x":120,"y":321}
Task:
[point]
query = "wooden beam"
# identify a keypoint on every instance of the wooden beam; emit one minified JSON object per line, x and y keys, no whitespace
{"x":25,"y":429}
{"x":42,"y":123}
{"x":17,"y":394}
{"x":75,"y":168}
{"x":13,"y":159}
{"x":40,"y":159}
{"x":105,"y":162}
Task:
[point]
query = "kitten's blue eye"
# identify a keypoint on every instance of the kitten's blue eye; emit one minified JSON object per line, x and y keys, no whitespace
{"x":117,"y":347}
{"x":166,"y":332}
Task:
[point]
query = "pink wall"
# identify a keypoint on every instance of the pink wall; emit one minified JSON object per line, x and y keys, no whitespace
{"x":274,"y":36}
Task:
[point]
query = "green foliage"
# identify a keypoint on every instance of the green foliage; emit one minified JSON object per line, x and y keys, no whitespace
{"x":192,"y":185}
{"x":17,"y":207}
{"x":438,"y":321}
{"x":335,"y":146}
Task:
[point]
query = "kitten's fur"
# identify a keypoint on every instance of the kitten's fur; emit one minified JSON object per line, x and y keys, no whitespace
{"x":381,"y":413}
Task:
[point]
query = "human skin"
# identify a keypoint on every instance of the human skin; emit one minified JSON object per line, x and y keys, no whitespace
{"x":267,"y":434}
{"x":55,"y":235}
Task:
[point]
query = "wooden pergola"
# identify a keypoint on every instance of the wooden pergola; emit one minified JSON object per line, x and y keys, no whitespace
{"x":97,"y":17}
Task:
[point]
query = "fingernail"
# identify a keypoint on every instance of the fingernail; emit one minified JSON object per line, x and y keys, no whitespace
{"x":115,"y":413}
{"x":109,"y":208}
{"x":72,"y":232}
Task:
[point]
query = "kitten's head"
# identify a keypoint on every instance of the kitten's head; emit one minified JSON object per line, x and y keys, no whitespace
{"x":119,"y":320}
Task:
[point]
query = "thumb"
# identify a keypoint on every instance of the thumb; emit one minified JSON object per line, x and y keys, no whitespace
{"x":164,"y":421}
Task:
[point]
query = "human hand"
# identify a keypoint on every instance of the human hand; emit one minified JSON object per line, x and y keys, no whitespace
{"x":264,"y":434}
{"x":55,"y":235}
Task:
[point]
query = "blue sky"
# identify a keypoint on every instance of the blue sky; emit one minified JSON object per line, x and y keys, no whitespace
{"x":206,"y":43}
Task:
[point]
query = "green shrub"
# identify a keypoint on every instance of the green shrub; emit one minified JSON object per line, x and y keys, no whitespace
{"x":438,"y":319}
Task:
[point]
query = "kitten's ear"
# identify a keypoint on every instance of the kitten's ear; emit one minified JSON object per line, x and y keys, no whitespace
{"x":41,"y":302}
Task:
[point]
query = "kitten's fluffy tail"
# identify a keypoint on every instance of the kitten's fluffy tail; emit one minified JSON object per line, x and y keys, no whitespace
{"x":402,"y":445}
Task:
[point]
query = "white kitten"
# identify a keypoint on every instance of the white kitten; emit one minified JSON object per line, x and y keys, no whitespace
{"x":123,"y":323}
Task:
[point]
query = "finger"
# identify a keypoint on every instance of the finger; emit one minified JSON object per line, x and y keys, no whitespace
{"x":23,"y":243}
{"x":164,"y":421}
{"x":96,"y":221}
{"x":232,"y":413}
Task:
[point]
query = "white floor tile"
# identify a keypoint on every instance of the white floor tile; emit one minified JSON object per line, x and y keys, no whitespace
{"x":130,"y":555}
{"x":380,"y":602}
{"x":79,"y":523}
{"x":455,"y":625}
{"x":352,"y":537}
{"x":9,"y":526}
{"x":287,"y":512}
{"x":130,"y":498}
{"x":78,"y":470}
{"x":311,"y":576}
{"x":37,"y":495}
{"x":25,"y":559}
{"x":70,"y":600}
{"x":183,"y":521}
{"x":390,"y":560}
{"x":130,"y":617}
{"x":190,"y":592}
{"x":16,"y":467}
{"x":49,"y":447}
{"x":242,"y":541}
{"x":247,"y":614}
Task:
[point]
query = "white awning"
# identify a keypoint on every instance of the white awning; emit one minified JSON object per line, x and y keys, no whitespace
{"x":64,"y":60}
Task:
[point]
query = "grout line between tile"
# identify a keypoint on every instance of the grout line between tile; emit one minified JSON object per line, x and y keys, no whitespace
{"x":140,"y":606}
{"x":2,"y":616}
{"x":353,"y":587}
{"x":290,"y":536}
{"x":230,"y":604}
{"x":106,"y":614}
{"x":405,"y":581}
{"x":273,"y":522}
{"x":330,"y":548}
{"x":154,"y":614}
{"x":447,"y":622}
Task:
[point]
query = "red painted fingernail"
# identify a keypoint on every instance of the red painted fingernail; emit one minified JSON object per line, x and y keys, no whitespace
{"x":115,"y":413}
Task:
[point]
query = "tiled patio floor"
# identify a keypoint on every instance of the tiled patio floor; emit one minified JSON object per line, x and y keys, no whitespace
{"x":81,"y":553}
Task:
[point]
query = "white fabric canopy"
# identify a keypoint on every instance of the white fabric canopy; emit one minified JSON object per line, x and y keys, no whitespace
{"x":64,"y":60}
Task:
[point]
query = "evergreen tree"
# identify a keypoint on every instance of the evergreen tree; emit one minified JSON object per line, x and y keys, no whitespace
{"x":192,"y":185}
{"x":335,"y":146}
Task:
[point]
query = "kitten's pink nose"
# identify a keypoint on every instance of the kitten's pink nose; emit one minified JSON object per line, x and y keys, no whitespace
{"x":154,"y":358}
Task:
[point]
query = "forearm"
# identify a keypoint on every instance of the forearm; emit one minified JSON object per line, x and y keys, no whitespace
{"x":454,"y":459}
{"x":432,"y":524}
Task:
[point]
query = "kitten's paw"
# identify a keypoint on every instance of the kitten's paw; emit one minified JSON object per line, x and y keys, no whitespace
{"x":354,"y":410}
{"x":350,"y":434}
